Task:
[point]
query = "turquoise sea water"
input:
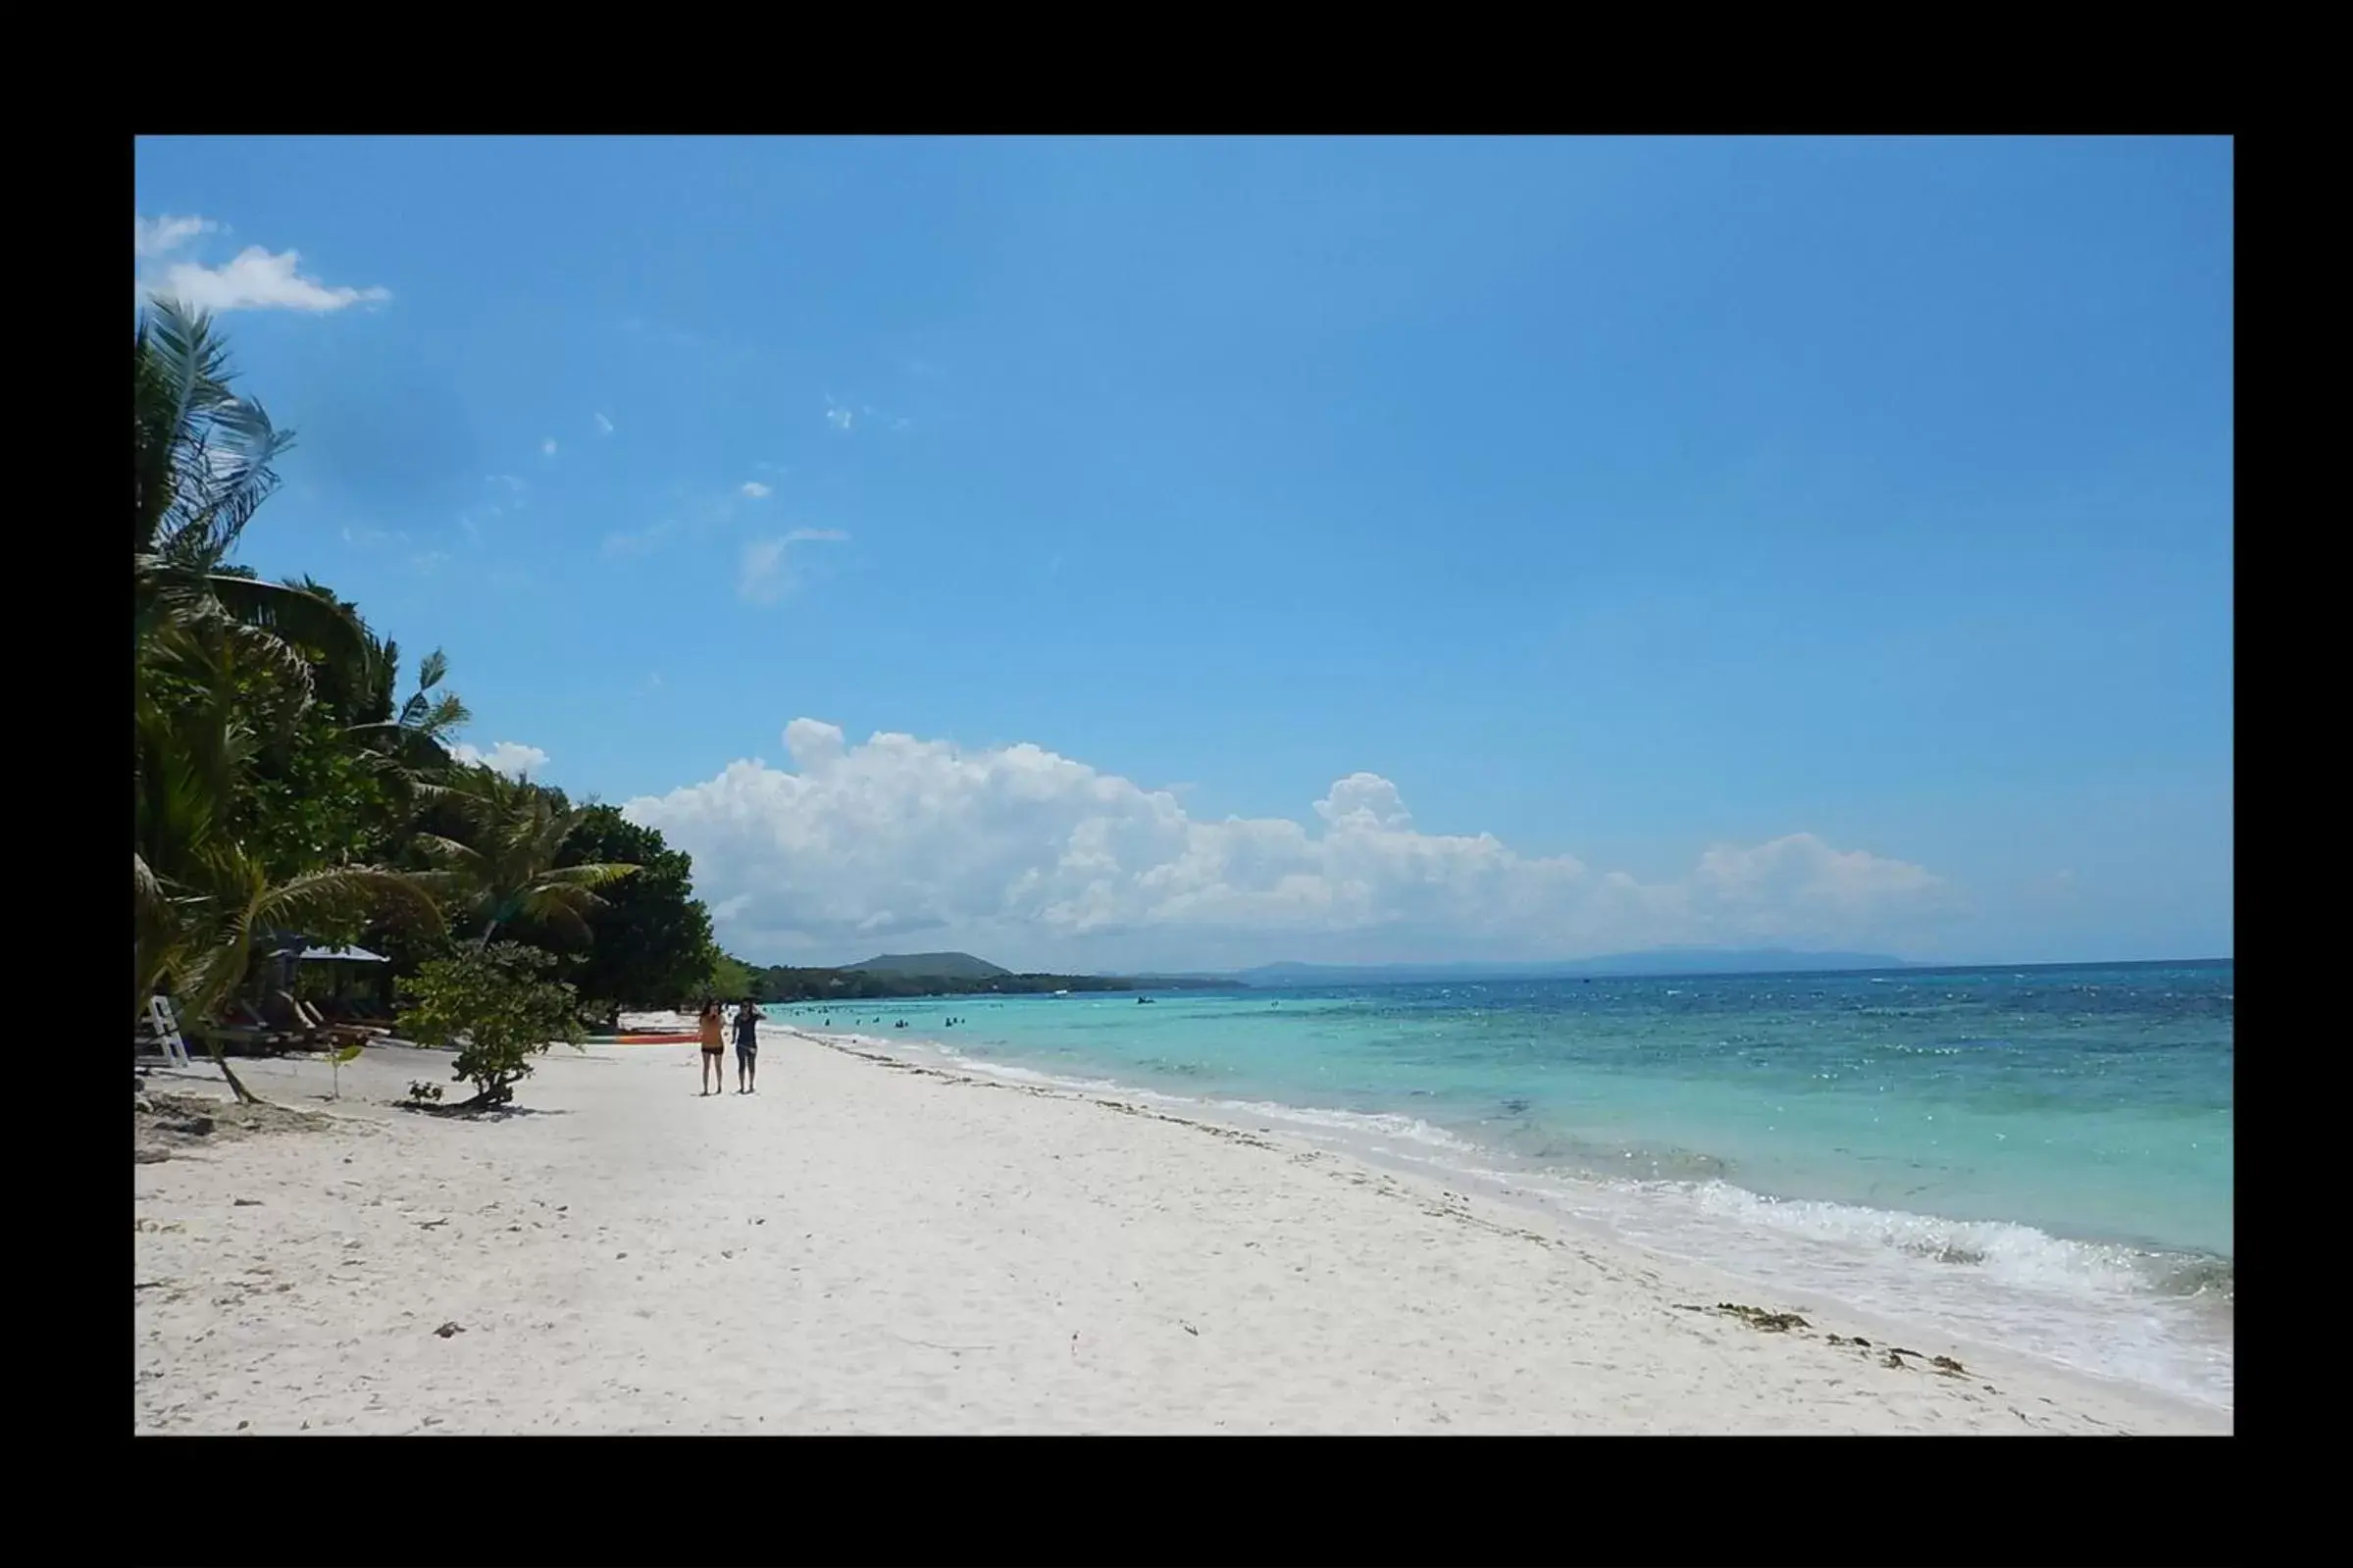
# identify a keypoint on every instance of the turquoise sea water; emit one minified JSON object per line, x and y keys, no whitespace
{"x":2039,"y":1158}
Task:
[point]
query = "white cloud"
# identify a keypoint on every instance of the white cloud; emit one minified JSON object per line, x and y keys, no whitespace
{"x":766,"y":569}
{"x":845,"y":417}
{"x":2057,"y":889}
{"x":255,"y":279}
{"x":507,"y":756}
{"x":157,"y":236}
{"x":548,"y":447}
{"x":637,"y":543}
{"x":1017,"y":846}
{"x":1801,"y":868}
{"x":763,"y":577}
{"x":604,"y":426}
{"x":756,"y":490}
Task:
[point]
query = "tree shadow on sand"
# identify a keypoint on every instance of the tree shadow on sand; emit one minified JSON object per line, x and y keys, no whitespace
{"x":475,"y":1111}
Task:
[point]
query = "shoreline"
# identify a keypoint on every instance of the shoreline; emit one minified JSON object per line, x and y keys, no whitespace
{"x":870,"y":1245}
{"x":1430,"y":1178}
{"x":2118,"y":1323}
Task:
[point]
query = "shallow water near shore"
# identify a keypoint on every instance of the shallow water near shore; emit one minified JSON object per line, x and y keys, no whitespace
{"x":2036,"y":1158}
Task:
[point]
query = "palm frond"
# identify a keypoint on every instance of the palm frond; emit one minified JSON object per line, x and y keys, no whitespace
{"x":597,"y":875}
{"x":244,"y":902}
{"x":423,"y":759}
{"x":447,"y":715}
{"x":177,"y":611}
{"x":432,"y":786}
{"x":157,"y":932}
{"x":451,"y":853}
{"x":563,"y":911}
{"x":297,"y":616}
{"x":202,"y":454}
{"x":318,"y":898}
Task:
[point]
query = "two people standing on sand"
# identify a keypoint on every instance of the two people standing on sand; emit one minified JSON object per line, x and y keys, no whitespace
{"x":712,"y":1026}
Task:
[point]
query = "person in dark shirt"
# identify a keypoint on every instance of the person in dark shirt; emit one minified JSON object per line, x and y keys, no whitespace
{"x":747,"y":1047}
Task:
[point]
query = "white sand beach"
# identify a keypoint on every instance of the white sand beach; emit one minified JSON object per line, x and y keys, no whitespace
{"x":866,"y":1246}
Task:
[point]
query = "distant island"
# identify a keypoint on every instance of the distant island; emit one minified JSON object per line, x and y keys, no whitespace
{"x":1658,"y":961}
{"x":947,"y":974}
{"x":938,"y":966}
{"x":963,"y":975}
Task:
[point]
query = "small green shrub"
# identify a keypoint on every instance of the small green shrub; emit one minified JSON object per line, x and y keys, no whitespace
{"x":421,"y":1092}
{"x":496,"y":1004}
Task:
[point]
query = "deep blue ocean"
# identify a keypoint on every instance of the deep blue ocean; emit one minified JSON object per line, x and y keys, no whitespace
{"x":2039,"y":1158}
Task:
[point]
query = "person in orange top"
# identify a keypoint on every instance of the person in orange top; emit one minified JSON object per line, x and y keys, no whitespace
{"x":714,"y":1049}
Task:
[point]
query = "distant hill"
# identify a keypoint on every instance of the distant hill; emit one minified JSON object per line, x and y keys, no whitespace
{"x":1658,"y":961}
{"x":931,"y":966}
{"x":910,"y":975}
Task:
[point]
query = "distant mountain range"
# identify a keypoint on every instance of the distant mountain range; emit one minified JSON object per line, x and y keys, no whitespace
{"x":1655,"y":961}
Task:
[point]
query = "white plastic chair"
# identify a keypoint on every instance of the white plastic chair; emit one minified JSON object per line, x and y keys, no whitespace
{"x":166,"y":1031}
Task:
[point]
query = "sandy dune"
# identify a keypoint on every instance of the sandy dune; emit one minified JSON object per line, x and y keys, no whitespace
{"x":872,"y":1247}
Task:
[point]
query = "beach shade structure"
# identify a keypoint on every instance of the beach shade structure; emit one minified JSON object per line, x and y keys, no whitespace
{"x":274,"y":956}
{"x":282,"y":952}
{"x":341,"y":955}
{"x":342,"y":958}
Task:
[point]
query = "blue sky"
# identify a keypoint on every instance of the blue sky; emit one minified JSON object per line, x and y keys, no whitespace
{"x":1752,"y":541}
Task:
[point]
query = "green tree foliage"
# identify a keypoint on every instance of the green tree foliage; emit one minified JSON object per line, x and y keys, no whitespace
{"x":651,"y":937}
{"x":727,"y":978}
{"x":222,"y":677}
{"x":201,"y":464}
{"x":413,"y":737}
{"x":282,"y":781}
{"x":495,"y":1002}
{"x":210,"y":696}
{"x":787,"y":984}
{"x":500,"y":859}
{"x":202,"y":896}
{"x":315,"y":799}
{"x":344,"y":783}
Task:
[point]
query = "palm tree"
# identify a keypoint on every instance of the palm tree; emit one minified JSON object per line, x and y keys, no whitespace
{"x":243,"y":903}
{"x":224,"y":663}
{"x":239,"y":903}
{"x":504,"y":866}
{"x":200,"y":467}
{"x":416,"y":739}
{"x":198,"y":896}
